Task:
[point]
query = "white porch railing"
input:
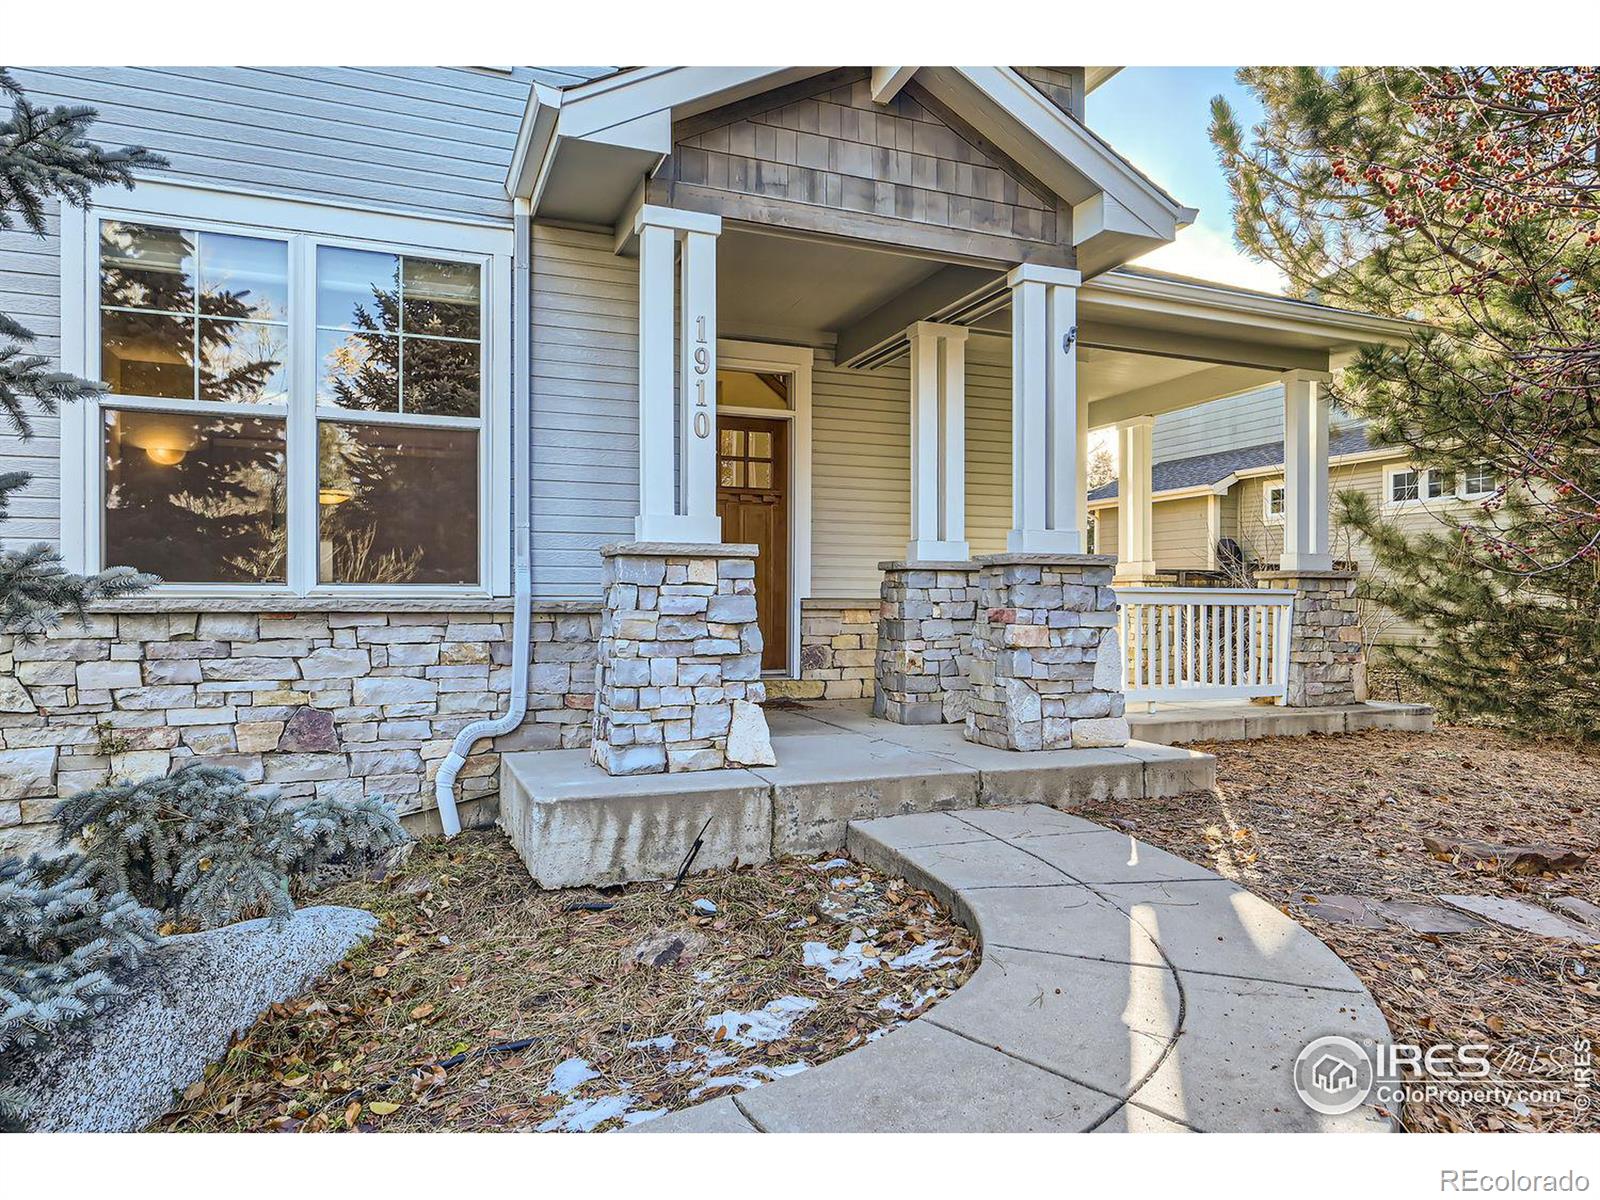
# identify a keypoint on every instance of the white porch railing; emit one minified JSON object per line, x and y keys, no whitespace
{"x":1205,"y":643}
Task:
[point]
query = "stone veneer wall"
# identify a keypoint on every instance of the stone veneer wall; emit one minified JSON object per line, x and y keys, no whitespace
{"x":679,"y":680}
{"x":1327,"y":659}
{"x":925,"y":642}
{"x":838,"y":645}
{"x":320,"y":700}
{"x":1046,"y":663}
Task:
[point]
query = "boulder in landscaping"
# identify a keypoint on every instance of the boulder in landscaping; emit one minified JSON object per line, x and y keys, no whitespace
{"x":181,"y":1011}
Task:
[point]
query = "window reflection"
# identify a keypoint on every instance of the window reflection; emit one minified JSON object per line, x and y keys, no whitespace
{"x":397,"y":504}
{"x":195,"y":499}
{"x":398,"y":334}
{"x":155,"y":282}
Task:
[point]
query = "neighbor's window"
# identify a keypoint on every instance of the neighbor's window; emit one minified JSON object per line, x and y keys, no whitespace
{"x":205,"y":418}
{"x":1405,"y":486}
{"x":1275,"y":501}
{"x":1479,"y":480}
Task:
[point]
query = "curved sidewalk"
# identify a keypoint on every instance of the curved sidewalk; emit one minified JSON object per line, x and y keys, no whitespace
{"x":1121,"y":989}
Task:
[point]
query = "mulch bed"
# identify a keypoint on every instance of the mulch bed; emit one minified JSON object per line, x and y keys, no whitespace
{"x":484,"y":1003}
{"x":1296,"y":818}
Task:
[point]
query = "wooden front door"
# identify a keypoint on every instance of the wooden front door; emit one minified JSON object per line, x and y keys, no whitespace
{"x":753,"y":502}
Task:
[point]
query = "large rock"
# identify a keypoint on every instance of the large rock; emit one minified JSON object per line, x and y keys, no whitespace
{"x":181,"y":1011}
{"x":749,"y":742}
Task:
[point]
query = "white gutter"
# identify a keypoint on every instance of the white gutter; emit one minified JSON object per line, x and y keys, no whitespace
{"x":522,"y":579}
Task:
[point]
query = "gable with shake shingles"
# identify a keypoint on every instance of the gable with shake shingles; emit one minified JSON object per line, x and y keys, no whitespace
{"x":824,"y":147}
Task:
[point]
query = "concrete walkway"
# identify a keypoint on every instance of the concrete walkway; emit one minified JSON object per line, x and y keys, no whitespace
{"x":1122,"y":989}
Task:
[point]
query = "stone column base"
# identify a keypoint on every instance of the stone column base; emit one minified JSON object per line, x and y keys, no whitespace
{"x":1046,"y":659}
{"x":678,"y":682}
{"x":924,"y":641}
{"x":1327,"y":660}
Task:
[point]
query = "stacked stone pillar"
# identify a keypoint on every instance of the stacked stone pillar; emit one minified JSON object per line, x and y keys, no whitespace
{"x":678,"y":681}
{"x":924,"y":641}
{"x":1327,"y":659}
{"x":1046,"y":660}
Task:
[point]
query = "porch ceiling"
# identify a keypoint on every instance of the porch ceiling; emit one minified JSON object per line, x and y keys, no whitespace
{"x":804,"y":290}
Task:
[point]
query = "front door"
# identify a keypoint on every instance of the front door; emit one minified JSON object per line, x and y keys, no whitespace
{"x":753,"y":502}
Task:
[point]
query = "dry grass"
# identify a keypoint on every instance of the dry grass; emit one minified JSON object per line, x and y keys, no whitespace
{"x":1293,"y":818}
{"x":478,"y":984}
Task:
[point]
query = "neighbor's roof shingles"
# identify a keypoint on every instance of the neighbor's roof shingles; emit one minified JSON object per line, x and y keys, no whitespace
{"x":1208,"y":470}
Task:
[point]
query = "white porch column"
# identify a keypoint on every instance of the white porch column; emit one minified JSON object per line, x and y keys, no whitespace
{"x":1048,"y":504}
{"x":1305,"y":473}
{"x":938,"y":443}
{"x":1135,"y":523}
{"x":677,"y":416}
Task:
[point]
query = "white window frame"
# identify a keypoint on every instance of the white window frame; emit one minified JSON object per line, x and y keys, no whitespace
{"x":304,"y":225}
{"x":1425,"y":478}
{"x":796,"y":362}
{"x":1267,"y":488}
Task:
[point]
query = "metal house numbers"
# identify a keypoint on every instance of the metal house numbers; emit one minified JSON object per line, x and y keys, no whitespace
{"x":702,"y":367}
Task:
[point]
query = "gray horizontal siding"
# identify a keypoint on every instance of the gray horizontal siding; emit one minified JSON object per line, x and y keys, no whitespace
{"x":435,"y":140}
{"x":585,"y":460}
{"x":30,"y":293}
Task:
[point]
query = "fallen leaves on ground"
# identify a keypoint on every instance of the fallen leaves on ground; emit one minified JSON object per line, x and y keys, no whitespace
{"x":478,"y":985}
{"x":1296,"y":818}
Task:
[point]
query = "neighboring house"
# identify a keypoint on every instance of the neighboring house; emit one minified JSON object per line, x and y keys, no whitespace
{"x":1217,"y":477}
{"x":394,"y":355}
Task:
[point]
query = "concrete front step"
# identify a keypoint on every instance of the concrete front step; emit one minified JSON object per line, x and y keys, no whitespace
{"x":1180,"y":724}
{"x":574,"y":825}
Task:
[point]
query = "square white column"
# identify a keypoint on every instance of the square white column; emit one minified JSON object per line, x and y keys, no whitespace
{"x":1305,"y":473}
{"x":938,"y":443}
{"x":1048,"y":428}
{"x":1135,"y":501}
{"x":677,"y":376}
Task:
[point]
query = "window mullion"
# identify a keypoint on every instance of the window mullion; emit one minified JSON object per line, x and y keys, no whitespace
{"x":302,"y":473}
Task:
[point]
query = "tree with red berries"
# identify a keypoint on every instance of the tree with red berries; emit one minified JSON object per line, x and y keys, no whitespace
{"x":1467,"y":199}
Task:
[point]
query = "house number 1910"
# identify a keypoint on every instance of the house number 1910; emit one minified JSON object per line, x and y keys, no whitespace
{"x":702,"y":367}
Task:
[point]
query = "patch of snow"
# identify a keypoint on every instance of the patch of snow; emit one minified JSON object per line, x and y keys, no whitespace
{"x":841,"y":966}
{"x":845,"y":881}
{"x":569,"y":1075}
{"x":925,"y":955}
{"x":702,"y":976}
{"x":767,"y":1024}
{"x":705,"y":906}
{"x":649,"y":1114}
{"x":799,"y":924}
{"x":831,"y":865}
{"x":663,"y":1043}
{"x":583,"y":1116}
{"x":752,"y":1077}
{"x":878,"y":1033}
{"x":901,"y":1007}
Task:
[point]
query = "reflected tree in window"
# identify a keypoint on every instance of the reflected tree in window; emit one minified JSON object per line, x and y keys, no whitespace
{"x":397,"y":504}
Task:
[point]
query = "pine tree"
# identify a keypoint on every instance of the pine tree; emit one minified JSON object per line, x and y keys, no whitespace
{"x":46,"y":154}
{"x":204,"y":847}
{"x":1468,"y":198}
{"x":66,"y":946}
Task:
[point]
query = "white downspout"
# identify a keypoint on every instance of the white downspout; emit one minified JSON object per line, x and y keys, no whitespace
{"x":522,"y":581}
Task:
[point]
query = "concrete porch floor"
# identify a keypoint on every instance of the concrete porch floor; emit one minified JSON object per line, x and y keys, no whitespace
{"x":575,"y":825}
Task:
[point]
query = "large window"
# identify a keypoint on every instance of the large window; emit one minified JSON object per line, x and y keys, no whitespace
{"x":285,"y":409}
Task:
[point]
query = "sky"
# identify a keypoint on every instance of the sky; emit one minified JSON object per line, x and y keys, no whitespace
{"x":1157,"y":118}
